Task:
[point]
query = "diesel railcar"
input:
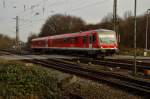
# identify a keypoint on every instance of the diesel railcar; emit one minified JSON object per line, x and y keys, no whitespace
{"x":100,"y":42}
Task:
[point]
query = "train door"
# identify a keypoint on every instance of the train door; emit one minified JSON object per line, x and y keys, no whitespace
{"x":92,"y":40}
{"x":46,"y":43}
{"x":85,"y":41}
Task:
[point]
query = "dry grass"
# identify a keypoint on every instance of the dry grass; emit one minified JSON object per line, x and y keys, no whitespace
{"x":93,"y":90}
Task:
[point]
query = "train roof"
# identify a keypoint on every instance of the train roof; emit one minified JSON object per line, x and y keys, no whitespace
{"x":81,"y":33}
{"x":39,"y":38}
{"x":104,"y":30}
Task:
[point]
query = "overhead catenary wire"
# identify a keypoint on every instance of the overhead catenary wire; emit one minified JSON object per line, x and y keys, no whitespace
{"x":57,"y":3}
{"x":30,"y":23}
{"x":30,"y":8}
{"x":75,"y":9}
{"x":50,"y":5}
{"x":82,"y":7}
{"x":88,"y":5}
{"x":40,"y":5}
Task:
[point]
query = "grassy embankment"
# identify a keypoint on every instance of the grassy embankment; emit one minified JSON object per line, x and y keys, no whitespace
{"x":25,"y":81}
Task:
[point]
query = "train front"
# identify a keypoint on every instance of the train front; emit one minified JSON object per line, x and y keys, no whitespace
{"x":108,"y":42}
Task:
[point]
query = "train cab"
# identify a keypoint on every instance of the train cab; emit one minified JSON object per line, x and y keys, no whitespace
{"x":107,"y":41}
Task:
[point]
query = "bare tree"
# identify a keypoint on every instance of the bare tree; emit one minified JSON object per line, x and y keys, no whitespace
{"x":60,"y":24}
{"x":6,"y":42}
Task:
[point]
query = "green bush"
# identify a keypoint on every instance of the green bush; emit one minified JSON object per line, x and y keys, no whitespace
{"x":19,"y":80}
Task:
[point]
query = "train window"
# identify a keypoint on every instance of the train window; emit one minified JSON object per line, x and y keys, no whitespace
{"x":71,"y":40}
{"x":74,"y":40}
{"x":39,"y":43}
{"x":84,"y":39}
{"x":65,"y":40}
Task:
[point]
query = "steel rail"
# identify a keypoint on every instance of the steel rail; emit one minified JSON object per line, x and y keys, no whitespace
{"x":117,"y":63}
{"x":125,"y":64}
{"x":129,"y":83}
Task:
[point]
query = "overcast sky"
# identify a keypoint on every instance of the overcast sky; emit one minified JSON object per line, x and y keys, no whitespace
{"x":32,"y":16}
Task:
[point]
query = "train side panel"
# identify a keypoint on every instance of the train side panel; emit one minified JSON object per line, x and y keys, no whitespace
{"x":95,"y":42}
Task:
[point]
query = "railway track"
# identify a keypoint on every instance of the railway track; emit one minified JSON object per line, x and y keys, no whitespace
{"x":16,"y":52}
{"x":124,"y":64}
{"x":5,"y":52}
{"x":137,"y":85}
{"x":129,"y":61}
{"x":126,"y":82}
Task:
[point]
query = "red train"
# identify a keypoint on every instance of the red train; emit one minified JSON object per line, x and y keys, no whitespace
{"x":100,"y":42}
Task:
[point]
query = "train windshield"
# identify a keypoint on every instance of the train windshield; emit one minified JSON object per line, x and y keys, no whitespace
{"x":107,"y":38}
